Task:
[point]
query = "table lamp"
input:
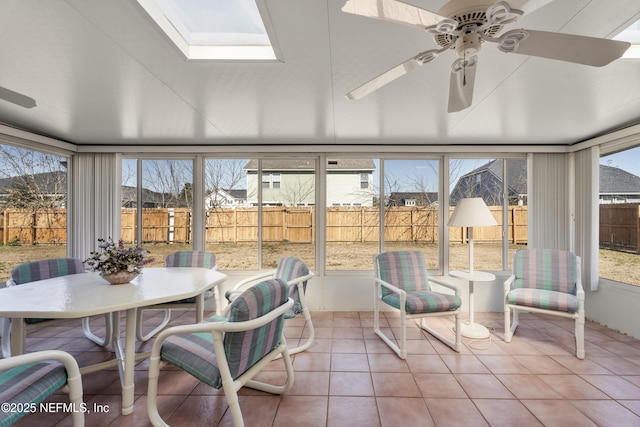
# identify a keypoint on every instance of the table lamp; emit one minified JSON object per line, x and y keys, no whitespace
{"x":471,"y":212}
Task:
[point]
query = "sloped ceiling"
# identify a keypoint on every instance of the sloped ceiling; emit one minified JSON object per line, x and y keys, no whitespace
{"x":102,"y":73}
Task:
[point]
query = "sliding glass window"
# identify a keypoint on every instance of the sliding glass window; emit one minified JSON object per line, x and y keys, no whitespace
{"x":619,"y":253}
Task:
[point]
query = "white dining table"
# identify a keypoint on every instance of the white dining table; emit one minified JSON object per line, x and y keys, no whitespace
{"x":87,"y":294}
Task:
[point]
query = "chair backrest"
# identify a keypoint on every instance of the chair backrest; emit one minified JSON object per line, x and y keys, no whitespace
{"x":46,"y":269}
{"x":244,"y":349}
{"x":191,"y":259}
{"x":291,"y":268}
{"x":406,"y":270}
{"x":547,"y":269}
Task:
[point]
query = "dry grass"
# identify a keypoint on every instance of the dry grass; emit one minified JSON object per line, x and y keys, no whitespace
{"x":619,"y":266}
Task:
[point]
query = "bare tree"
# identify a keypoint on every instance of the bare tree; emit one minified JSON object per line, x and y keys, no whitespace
{"x":223,"y":175}
{"x":297,"y":192}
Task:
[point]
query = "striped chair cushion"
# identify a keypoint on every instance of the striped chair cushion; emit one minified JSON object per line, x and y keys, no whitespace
{"x":403,"y":269}
{"x":191,"y":259}
{"x":424,"y":302}
{"x":291,"y":268}
{"x":195,"y":354}
{"x":547,"y":269}
{"x":45,"y":269}
{"x":549,"y":300}
{"x":27,"y":384}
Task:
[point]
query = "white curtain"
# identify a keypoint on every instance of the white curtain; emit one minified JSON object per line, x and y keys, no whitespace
{"x":95,"y":189}
{"x":587,"y":213}
{"x":549,"y":204}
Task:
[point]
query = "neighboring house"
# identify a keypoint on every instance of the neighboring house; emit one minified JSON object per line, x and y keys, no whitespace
{"x":226,"y":199}
{"x":618,"y":186}
{"x":486,"y":182}
{"x":37,"y":190}
{"x":412,"y":199}
{"x":292,"y":182}
{"x":150,"y":199}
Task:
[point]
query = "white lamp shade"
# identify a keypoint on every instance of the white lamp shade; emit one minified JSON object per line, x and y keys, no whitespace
{"x":471,"y":212}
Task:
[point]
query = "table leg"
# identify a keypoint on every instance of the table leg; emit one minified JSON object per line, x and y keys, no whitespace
{"x":129,"y":363}
{"x":17,"y":336}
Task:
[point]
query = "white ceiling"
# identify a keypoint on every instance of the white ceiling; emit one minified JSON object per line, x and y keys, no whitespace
{"x":101,"y":72}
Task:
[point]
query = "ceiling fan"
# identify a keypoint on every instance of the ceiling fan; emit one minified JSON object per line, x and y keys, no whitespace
{"x":463,"y":26}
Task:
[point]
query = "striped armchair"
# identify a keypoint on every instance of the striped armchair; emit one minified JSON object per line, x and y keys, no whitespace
{"x":295,"y":272}
{"x":545,"y":281}
{"x":228,"y":352}
{"x":29,"y":379}
{"x":402,"y":283}
{"x":179,"y":259}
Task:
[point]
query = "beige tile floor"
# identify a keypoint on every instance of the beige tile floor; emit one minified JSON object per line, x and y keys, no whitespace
{"x":349,"y":377}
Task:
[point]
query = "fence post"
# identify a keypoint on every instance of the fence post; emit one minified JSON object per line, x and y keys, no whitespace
{"x":638,"y":230}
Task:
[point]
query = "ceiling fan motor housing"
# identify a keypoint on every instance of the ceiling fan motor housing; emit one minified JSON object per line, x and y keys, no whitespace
{"x":470,"y":14}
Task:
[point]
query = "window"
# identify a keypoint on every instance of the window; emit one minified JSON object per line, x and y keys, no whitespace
{"x":364,"y":180}
{"x":215,"y":29}
{"x":275,"y":180}
{"x":34,"y":202}
{"x":266,"y":180}
{"x":490,"y":180}
{"x":162,"y":220}
{"x":619,"y":254}
{"x":407,"y":225}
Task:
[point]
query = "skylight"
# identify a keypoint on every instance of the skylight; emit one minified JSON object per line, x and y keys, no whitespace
{"x":631,"y":35}
{"x":214,"y":29}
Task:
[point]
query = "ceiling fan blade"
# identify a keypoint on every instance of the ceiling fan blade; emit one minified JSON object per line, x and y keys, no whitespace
{"x":397,"y":71}
{"x":463,"y":76}
{"x":563,"y":47}
{"x":394,"y":11}
{"x":17,"y":98}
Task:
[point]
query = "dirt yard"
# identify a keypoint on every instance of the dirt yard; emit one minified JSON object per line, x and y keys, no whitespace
{"x":619,"y":266}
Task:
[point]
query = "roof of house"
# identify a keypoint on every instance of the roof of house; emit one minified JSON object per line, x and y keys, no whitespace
{"x":309,"y":165}
{"x":617,"y":181}
{"x":428,"y":197}
{"x":613,"y":180}
{"x":516,"y":170}
{"x":52,"y":182}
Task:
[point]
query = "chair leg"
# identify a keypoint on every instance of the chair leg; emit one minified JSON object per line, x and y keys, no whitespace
{"x":510,"y":328}
{"x":580,"y":337}
{"x":312,"y":333}
{"x":103,"y":342}
{"x":6,"y":338}
{"x":139,"y":323}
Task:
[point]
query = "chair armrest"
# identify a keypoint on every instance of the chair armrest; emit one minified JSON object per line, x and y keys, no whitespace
{"x":249,"y":280}
{"x":390,"y":287}
{"x":301,"y":279}
{"x":455,"y":288}
{"x":39,"y":356}
{"x":508,"y":283}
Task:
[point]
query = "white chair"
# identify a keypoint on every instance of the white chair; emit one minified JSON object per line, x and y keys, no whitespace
{"x":28,"y":379}
{"x":179,"y":259}
{"x":295,"y":272}
{"x":46,"y":269}
{"x":402,"y":283}
{"x":545,"y":281}
{"x":228,"y":353}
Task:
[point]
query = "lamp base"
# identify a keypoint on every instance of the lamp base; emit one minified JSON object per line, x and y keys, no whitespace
{"x":474,"y":330}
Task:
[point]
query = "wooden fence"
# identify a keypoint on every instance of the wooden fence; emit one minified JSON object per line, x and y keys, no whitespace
{"x":620,"y":227}
{"x":279,"y":224}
